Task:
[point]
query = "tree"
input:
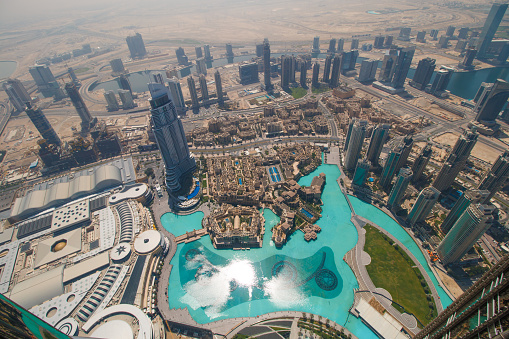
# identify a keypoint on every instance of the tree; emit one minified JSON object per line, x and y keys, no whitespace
{"x":149,"y":172}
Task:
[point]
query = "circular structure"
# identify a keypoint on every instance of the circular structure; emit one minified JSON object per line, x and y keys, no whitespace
{"x":4,"y":253}
{"x":70,"y":298}
{"x":326,"y":280}
{"x":59,"y":245}
{"x":113,"y":329}
{"x":148,"y":241}
{"x":285,"y":269}
{"x":68,"y":326}
{"x":51,"y":312}
{"x":192,"y":253}
{"x":120,"y":252}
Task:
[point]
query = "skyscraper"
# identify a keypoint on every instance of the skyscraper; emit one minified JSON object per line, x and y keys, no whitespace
{"x":379,"y":42}
{"x":125,"y":84}
{"x":203,"y":87}
{"x":336,"y":69}
{"x":341,"y":43}
{"x":266,"y":66}
{"x":327,"y":67}
{"x":219,"y":86}
{"x":492,"y":101}
{"x":463,"y":33}
{"x":361,"y":172}
{"x":316,"y":45}
{"x":182,"y":58}
{"x":303,"y":73}
{"x":389,"y":169}
{"x":456,"y":160}
{"x":421,"y":162}
{"x":403,"y":64}
{"x":198,"y":52}
{"x":192,"y":91}
{"x":399,"y":188}
{"x":388,"y":65}
{"x":349,"y":133}
{"x":355,"y":44}
{"x":136,"y":46}
{"x":126,"y":98}
{"x":79,"y":104}
{"x":229,"y":50}
{"x":332,"y":46}
{"x":18,"y":95}
{"x":176,"y":95}
{"x":442,"y":78}
{"x":421,"y":37}
{"x":368,"y":70}
{"x":378,"y":139}
{"x":286,"y":68}
{"x":42,"y":124}
{"x":470,"y":226}
{"x":170,"y":137}
{"x":259,"y":50}
{"x":316,"y":74}
{"x":46,"y":82}
{"x":111,"y":100}
{"x":470,"y":54}
{"x":388,"y":40}
{"x":158,"y":77}
{"x":355,"y":144}
{"x":404,"y":33}
{"x":496,"y":177}
{"x":463,"y":202}
{"x":423,"y":206}
{"x":490,"y":28}
{"x":348,"y":61}
{"x":206,"y":51}
{"x":201,"y":66}
{"x":117,"y":66}
{"x":450,"y":31}
{"x":406,"y":147}
{"x":73,"y":76}
{"x":423,"y":73}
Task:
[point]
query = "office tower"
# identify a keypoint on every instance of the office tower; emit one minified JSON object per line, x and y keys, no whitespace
{"x":79,"y":104}
{"x":336,"y":68}
{"x":126,"y":98}
{"x":73,"y":76}
{"x":316,"y":45}
{"x":434,"y":34}
{"x":316,"y":73}
{"x":399,"y":188}
{"x":463,"y":33}
{"x":303,"y":73}
{"x":456,"y":160}
{"x":158,"y":77}
{"x":388,"y":40}
{"x":379,"y":42}
{"x":378,"y":139}
{"x":461,"y":45}
{"x":497,"y":176}
{"x":465,"y":200}
{"x":326,"y":68}
{"x":490,"y":28}
{"x":421,"y":36}
{"x":341,"y":44}
{"x":406,"y":147}
{"x":423,"y":206}
{"x":404,"y":61}
{"x":442,"y":78}
{"x":348,"y":61}
{"x":404,"y":34}
{"x":42,"y":124}
{"x":248,"y":73}
{"x":192,"y":91}
{"x":266,"y":66}
{"x":332,"y":46}
{"x":286,"y":64}
{"x":487,"y":298}
{"x":470,"y":54}
{"x":423,"y":73}
{"x":368,"y":70}
{"x":117,"y":66}
{"x":349,"y":133}
{"x":206,"y":51}
{"x":492,"y":102}
{"x":18,"y":95}
{"x":201,"y":66}
{"x":136,"y":46}
{"x":504,"y":54}
{"x":229,"y":50}
{"x":355,"y":144}
{"x":388,"y":65}
{"x":46,"y":82}
{"x":259,"y":50}
{"x":198,"y":52}
{"x":482,"y":94}
{"x":443,"y":42}
{"x":219,"y":86}
{"x":361,"y":172}
{"x":355,"y":44}
{"x":182,"y":58}
{"x":421,"y":162}
{"x":111,"y":100}
{"x":125,"y":84}
{"x":170,"y":137}
{"x":176,"y":94}
{"x":450,"y":31}
{"x":389,"y":169}
{"x":465,"y":232}
{"x":293,"y":67}
{"x":203,"y":88}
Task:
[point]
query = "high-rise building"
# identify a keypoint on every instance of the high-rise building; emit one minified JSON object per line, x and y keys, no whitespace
{"x":456,"y":160}
{"x":18,"y":95}
{"x":266,"y":66}
{"x":348,"y":61}
{"x":379,"y":42}
{"x":492,"y":101}
{"x":316,"y":45}
{"x":73,"y":76}
{"x":206,"y":51}
{"x":111,"y":100}
{"x":463,"y":33}
{"x":378,"y":139}
{"x":368,"y":70}
{"x":42,"y":124}
{"x":463,"y":202}
{"x":193,"y":93}
{"x":125,"y":84}
{"x":404,"y":61}
{"x":406,"y":147}
{"x":460,"y":47}
{"x":136,"y":46}
{"x":470,"y":54}
{"x":355,"y":44}
{"x":442,"y":79}
{"x":201,"y":66}
{"x":349,"y":133}
{"x":203,"y":88}
{"x":423,"y":206}
{"x":443,"y":42}
{"x":355,"y":144}
{"x":503,"y":55}
{"x":491,"y":24}
{"x":469,"y":227}
{"x":170,"y":137}
{"x":182,"y":58}
{"x":79,"y":104}
{"x":259,"y":50}
{"x":176,"y":94}
{"x":421,"y":37}
{"x":336,"y":69}
{"x":341,"y":44}
{"x":332,"y":46}
{"x":404,"y":33}
{"x":399,"y":188}
{"x":316,"y":74}
{"x":219,"y":86}
{"x":388,"y":65}
{"x":303,"y":73}
{"x":421,"y":162}
{"x":198,"y":52}
{"x":423,"y":73}
{"x":158,"y":77}
{"x":496,"y":177}
{"x":388,"y":40}
{"x":389,"y":169}
{"x":434,"y":34}
{"x":229,"y":51}
{"x":46,"y":82}
{"x":361,"y":172}
{"x":117,"y":66}
{"x":286,"y":70}
{"x":327,"y":68}
{"x":248,"y":73}
{"x":450,"y":31}
{"x":126,"y":98}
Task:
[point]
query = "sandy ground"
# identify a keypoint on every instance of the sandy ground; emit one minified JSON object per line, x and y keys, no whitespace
{"x":450,"y":284}
{"x":447,"y":139}
{"x":485,"y":153}
{"x":434,"y":109}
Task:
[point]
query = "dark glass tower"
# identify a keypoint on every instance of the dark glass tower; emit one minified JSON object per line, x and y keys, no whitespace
{"x":490,"y":28}
{"x":136,"y":46}
{"x":266,"y":65}
{"x":79,"y":104}
{"x":42,"y":124}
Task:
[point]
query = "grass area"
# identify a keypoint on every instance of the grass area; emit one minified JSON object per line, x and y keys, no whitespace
{"x":391,"y":269}
{"x":81,"y":70}
{"x":298,"y":92}
{"x":502,"y":32}
{"x":321,"y":89}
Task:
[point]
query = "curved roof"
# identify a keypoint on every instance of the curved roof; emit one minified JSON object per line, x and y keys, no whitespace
{"x":113,"y":329}
{"x":148,"y":241}
{"x":132,"y":192}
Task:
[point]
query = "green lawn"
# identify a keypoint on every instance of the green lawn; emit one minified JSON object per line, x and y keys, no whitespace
{"x":392,"y":270}
{"x":321,"y":89}
{"x":298,"y":92}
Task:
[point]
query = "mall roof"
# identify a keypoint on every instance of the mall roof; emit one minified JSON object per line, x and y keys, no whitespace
{"x":45,"y":253}
{"x":86,"y":266}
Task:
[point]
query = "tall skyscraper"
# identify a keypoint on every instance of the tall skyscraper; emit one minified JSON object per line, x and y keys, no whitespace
{"x":368,"y":70}
{"x":316,"y":45}
{"x":361,"y":172}
{"x":125,"y":84}
{"x":470,"y":226}
{"x":18,"y":95}
{"x":456,"y":160}
{"x":198,"y":52}
{"x":470,"y":55}
{"x":423,"y":206}
{"x":201,"y":66}
{"x":490,"y":28}
{"x":389,"y":169}
{"x":303,"y":73}
{"x":423,"y":73}
{"x":192,"y":91}
{"x":42,"y":124}
{"x":46,"y":82}
{"x":379,"y":42}
{"x":443,"y":42}
{"x":388,"y":40}
{"x":117,"y":66}
{"x":355,"y":144}
{"x":341,"y":44}
{"x":176,"y":95}
{"x":355,"y":44}
{"x":442,"y":78}
{"x":463,"y":33}
{"x":404,"y":33}
{"x":203,"y":87}
{"x":327,"y":68}
{"x":259,"y":50}
{"x":492,"y":101}
{"x":461,"y":205}
{"x":399,"y":188}
{"x":229,"y":50}
{"x":170,"y":137}
{"x":73,"y":76}
{"x":316,"y":74}
{"x":266,"y":66}
{"x":388,"y":65}
{"x":219,"y":86}
{"x":421,"y":162}
{"x":404,"y":62}
{"x":126,"y":98}
{"x":206,"y":51}
{"x":79,"y":104}
{"x":497,"y":176}
{"x":332,"y":46}
{"x":349,"y":133}
{"x":136,"y":46}
{"x":406,"y":147}
{"x":111,"y":100}
{"x":421,"y":37}
{"x":286,"y":69}
{"x":336,"y":69}
{"x":348,"y":61}
{"x":158,"y":77}
{"x":182,"y":58}
{"x":378,"y":139}
{"x":450,"y":31}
